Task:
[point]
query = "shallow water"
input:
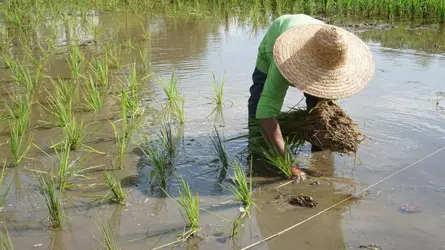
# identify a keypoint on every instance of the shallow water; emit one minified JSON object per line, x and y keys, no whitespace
{"x":398,"y":110}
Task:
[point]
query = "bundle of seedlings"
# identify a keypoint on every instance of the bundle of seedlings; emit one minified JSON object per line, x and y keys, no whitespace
{"x":325,"y":126}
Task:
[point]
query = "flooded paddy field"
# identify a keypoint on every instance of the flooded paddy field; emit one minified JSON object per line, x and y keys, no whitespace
{"x":120,"y":63}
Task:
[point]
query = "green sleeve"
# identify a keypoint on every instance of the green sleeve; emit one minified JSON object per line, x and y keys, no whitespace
{"x":272,"y":97}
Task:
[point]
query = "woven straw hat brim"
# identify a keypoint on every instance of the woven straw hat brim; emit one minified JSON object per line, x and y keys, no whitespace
{"x":297,"y":64}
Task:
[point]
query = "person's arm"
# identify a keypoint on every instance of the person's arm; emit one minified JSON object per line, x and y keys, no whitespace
{"x":269,"y":107}
{"x":272,"y":132}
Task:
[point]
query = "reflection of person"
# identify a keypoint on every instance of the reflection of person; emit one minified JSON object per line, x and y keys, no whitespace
{"x":321,"y":60}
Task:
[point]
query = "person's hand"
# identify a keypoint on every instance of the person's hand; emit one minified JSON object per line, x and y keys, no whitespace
{"x":297,"y":174}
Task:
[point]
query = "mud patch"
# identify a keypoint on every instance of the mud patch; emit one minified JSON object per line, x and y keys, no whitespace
{"x":302,"y":201}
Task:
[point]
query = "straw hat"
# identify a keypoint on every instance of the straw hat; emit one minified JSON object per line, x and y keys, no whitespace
{"x":324,"y":60}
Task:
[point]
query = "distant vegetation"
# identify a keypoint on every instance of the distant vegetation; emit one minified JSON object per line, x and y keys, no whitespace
{"x":22,"y":13}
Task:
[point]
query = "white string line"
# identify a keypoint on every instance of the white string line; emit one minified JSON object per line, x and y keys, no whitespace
{"x":338,"y":203}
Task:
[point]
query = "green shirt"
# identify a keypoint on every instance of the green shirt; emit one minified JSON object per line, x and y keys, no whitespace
{"x":275,"y":87}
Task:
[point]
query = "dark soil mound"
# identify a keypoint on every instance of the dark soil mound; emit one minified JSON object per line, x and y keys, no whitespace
{"x":326,"y":126}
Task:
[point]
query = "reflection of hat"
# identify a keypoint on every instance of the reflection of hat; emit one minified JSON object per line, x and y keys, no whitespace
{"x":324,"y":60}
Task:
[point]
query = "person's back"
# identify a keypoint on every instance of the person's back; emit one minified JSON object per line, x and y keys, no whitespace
{"x":278,"y":26}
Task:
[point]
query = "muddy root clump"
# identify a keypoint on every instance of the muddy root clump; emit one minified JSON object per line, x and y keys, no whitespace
{"x":326,"y":126}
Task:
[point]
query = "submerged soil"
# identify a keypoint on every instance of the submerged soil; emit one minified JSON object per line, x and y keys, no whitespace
{"x":398,"y":111}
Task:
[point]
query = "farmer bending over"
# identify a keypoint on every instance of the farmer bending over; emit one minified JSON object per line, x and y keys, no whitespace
{"x":321,"y":60}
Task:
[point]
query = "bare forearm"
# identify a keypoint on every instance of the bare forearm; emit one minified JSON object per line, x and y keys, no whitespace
{"x":272,"y":132}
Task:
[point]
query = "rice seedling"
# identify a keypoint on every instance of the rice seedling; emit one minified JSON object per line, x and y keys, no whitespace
{"x":218,"y":88}
{"x":20,"y":114}
{"x":132,"y":97}
{"x":109,"y":237}
{"x":75,"y":61}
{"x":175,"y":101}
{"x":67,"y":167}
{"x":59,"y":109}
{"x":92,"y":95}
{"x":131,"y":105}
{"x":22,"y":77}
{"x":146,"y":34}
{"x":5,"y":239}
{"x":171,"y":90}
{"x":158,"y":157}
{"x":219,"y":148}
{"x":101,"y":71}
{"x":243,"y":193}
{"x":169,"y":143}
{"x":240,"y":188}
{"x":130,"y":43}
{"x":2,"y":178}
{"x":188,"y":206}
{"x":8,"y":61}
{"x":116,"y":192}
{"x":276,"y":159}
{"x":123,"y":135}
{"x":64,"y":90}
{"x":178,"y":109}
{"x":19,"y":147}
{"x":113,"y":52}
{"x":74,"y":133}
{"x":143,"y":54}
{"x":53,"y":201}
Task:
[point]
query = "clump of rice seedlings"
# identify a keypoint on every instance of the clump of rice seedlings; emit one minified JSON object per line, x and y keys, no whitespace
{"x":123,"y":135}
{"x":21,"y":113}
{"x":109,"y":237}
{"x":143,"y":54}
{"x":59,"y":108}
{"x":146,"y":34}
{"x":131,"y":105}
{"x":23,"y":77}
{"x":132,"y":97}
{"x":5,"y":239}
{"x":130,"y":43}
{"x":159,"y":158}
{"x":74,"y":133}
{"x":178,"y":109}
{"x":242,"y":192}
{"x":169,"y":142}
{"x":190,"y":209}
{"x":175,"y":101}
{"x":218,"y":88}
{"x":188,"y":206}
{"x":75,"y":61}
{"x":67,"y":167}
{"x":240,"y":188}
{"x":101,"y":71}
{"x":64,"y":90}
{"x":116,"y":192}
{"x":113,"y":53}
{"x":275,"y":158}
{"x":19,"y":147}
{"x":171,"y":90}
{"x":218,"y":145}
{"x":53,"y":201}
{"x":92,"y":95}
